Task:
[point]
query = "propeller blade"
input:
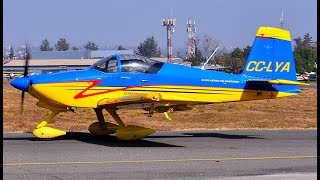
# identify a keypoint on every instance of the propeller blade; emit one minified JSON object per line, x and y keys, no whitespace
{"x":21,"y":103}
{"x":25,"y":74}
{"x":26,"y":66}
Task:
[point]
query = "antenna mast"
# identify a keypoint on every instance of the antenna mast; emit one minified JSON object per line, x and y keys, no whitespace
{"x":169,"y":23}
{"x":281,"y":20}
{"x":191,"y":29}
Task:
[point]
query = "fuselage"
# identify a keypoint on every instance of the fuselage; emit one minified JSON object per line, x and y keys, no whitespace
{"x":175,"y":83}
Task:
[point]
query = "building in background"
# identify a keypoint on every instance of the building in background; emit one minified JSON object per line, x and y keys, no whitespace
{"x":46,"y":66}
{"x":76,"y":54}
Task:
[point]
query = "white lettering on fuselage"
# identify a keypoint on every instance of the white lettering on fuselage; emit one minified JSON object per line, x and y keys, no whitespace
{"x":220,"y":80}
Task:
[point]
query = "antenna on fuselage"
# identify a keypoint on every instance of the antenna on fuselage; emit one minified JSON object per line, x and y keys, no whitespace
{"x":202,"y":67}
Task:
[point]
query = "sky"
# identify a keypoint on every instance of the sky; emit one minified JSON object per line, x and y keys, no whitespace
{"x":110,"y":23}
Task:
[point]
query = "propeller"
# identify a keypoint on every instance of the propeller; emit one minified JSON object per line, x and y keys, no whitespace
{"x":25,"y":73}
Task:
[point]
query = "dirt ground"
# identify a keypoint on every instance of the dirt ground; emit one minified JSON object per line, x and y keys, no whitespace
{"x":295,"y":112}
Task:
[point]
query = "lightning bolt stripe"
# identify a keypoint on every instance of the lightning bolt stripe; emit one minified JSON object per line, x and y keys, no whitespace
{"x":94,"y":84}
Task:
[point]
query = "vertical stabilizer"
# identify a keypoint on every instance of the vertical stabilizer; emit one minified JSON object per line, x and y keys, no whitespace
{"x":271,"y":55}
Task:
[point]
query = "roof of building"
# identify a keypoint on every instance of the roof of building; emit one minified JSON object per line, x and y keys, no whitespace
{"x":74,"y":62}
{"x":164,"y":59}
{"x":76,"y":54}
{"x":5,"y":61}
{"x":53,"y":62}
{"x":106,"y":53}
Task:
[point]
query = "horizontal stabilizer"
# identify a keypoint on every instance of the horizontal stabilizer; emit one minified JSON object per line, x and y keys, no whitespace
{"x":287,"y":82}
{"x":279,"y":82}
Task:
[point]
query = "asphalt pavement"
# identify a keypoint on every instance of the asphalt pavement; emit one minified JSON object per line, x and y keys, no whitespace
{"x":259,"y":154}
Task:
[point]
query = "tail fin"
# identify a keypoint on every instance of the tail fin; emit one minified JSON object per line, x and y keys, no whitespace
{"x":271,"y":56}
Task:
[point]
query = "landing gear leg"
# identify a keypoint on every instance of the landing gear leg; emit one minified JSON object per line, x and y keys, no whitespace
{"x":102,"y":128}
{"x":168,"y":111}
{"x":100,"y":117}
{"x":115,"y":116}
{"x":47,"y":132}
{"x":128,"y":132}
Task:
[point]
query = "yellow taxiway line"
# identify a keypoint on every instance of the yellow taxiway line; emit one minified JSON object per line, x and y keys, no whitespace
{"x":157,"y":160}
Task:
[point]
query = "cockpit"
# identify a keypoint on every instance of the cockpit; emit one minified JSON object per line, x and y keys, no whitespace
{"x":128,"y":64}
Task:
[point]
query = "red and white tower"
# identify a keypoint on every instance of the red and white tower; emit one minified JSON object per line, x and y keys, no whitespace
{"x":191,"y":30}
{"x":169,"y":23}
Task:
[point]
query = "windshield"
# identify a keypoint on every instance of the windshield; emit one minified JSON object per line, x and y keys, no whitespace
{"x":129,"y":64}
{"x":139,"y":64}
{"x":107,"y":65}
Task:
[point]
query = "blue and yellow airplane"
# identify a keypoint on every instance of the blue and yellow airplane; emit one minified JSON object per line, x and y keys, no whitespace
{"x":121,"y":81}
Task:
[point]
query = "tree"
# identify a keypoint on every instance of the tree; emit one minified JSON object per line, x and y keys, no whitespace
{"x":121,"y":48}
{"x":235,"y":60}
{"x":298,"y":42}
{"x":223,"y":60}
{"x":11,"y":54}
{"x":197,"y":59}
{"x":236,"y":65}
{"x":45,"y":46}
{"x":91,"y":46}
{"x":246,"y":52}
{"x":149,"y":48}
{"x":307,"y":40}
{"x":305,"y":54}
{"x":62,"y":45}
{"x":305,"y":59}
{"x":75,"y":48}
{"x":209,"y":44}
{"x":237,"y":53}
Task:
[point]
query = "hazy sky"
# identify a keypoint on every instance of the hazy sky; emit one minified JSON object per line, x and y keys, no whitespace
{"x":128,"y":22}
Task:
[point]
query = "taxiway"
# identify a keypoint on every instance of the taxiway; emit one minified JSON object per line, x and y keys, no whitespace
{"x":164,"y":155}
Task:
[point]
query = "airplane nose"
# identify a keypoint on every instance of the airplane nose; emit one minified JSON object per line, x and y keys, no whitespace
{"x":21,"y":83}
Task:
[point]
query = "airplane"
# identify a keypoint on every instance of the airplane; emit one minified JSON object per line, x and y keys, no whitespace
{"x":133,"y":81}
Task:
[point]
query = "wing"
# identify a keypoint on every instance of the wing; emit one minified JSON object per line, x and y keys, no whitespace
{"x":131,"y":99}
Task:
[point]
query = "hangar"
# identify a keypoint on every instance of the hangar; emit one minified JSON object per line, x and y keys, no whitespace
{"x":16,"y":67}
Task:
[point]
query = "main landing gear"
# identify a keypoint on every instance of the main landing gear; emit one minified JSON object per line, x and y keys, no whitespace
{"x":100,"y":128}
{"x":123,"y":132}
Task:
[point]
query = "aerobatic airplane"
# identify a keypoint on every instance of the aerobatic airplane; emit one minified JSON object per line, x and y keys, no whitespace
{"x":123,"y":81}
